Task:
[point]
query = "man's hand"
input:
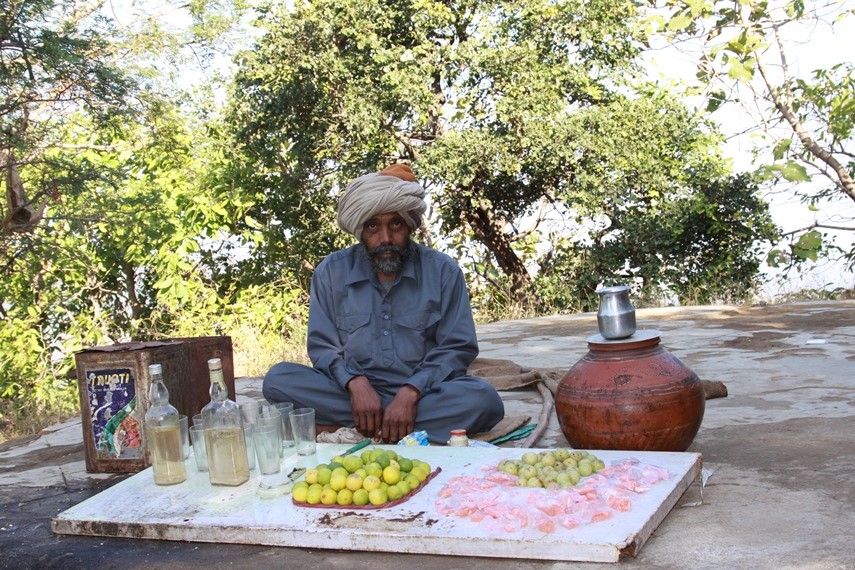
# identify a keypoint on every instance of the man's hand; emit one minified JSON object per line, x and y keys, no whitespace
{"x":399,"y":419}
{"x":366,"y":405}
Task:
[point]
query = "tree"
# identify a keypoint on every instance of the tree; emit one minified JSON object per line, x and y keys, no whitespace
{"x":655,"y":212}
{"x":131,"y":244}
{"x":496,"y":105}
{"x":51,"y":61}
{"x":804,"y":122}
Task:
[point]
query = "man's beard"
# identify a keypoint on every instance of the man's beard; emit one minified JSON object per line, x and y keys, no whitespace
{"x":389,"y":265}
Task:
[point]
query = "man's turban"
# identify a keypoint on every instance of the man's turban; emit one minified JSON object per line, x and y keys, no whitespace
{"x":393,"y":189}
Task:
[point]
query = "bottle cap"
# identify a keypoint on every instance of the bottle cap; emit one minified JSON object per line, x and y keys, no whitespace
{"x":458,"y":432}
{"x":215,"y":364}
{"x":155,"y":369}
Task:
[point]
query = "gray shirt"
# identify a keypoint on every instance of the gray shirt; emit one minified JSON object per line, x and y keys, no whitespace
{"x":419,"y":332}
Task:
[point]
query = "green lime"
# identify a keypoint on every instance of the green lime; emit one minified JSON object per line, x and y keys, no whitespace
{"x":360,"y":497}
{"x":300,"y":494}
{"x":394,"y":492}
{"x":352,"y":463}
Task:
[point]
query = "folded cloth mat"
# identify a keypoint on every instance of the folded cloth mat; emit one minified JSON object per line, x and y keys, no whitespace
{"x":519,"y":433}
{"x":506,"y":425}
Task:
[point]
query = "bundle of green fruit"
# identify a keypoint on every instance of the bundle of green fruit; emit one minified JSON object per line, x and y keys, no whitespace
{"x":554,"y":469}
{"x":377,"y":478}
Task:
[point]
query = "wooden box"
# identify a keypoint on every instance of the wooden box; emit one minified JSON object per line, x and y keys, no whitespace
{"x":114,"y":381}
{"x":200,"y":350}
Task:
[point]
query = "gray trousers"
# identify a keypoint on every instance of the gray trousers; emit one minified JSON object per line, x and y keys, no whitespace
{"x":461,"y":403}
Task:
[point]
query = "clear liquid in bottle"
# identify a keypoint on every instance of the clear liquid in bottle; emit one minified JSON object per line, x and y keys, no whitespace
{"x":167,"y":455}
{"x":163,"y":433}
{"x":227,"y":459}
{"x":225,"y":441}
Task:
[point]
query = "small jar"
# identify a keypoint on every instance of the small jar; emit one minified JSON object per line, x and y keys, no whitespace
{"x":458,"y":438}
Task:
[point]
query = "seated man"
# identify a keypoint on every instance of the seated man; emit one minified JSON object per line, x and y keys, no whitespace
{"x":391,"y":333}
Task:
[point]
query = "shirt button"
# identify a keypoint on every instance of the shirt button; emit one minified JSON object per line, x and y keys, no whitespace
{"x":385,"y":317}
{"x":385,"y":333}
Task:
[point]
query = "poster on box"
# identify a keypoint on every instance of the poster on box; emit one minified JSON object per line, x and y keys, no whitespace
{"x":113,"y":413}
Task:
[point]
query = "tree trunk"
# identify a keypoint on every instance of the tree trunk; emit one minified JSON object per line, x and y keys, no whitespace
{"x":131,"y":285}
{"x":21,"y":216}
{"x":488,"y":230}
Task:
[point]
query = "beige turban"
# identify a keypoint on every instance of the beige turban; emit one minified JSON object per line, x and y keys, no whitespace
{"x":393,"y":189}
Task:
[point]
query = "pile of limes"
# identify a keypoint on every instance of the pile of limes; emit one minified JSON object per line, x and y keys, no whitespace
{"x":375,"y":477}
{"x":553,"y":469}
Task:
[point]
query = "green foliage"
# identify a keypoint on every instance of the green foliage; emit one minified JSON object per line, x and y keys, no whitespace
{"x":516,"y":118}
{"x":550,"y":172}
{"x":143,"y":225}
{"x":748,"y":50}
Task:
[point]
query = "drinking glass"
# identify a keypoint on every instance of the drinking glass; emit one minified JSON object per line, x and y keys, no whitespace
{"x":303,"y":425}
{"x":285,"y":408}
{"x":268,"y":448}
{"x":197,"y":437}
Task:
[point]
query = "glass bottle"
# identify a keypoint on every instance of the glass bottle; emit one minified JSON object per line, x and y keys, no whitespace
{"x":163,"y":432}
{"x":225,"y":442}
{"x":458,"y":438}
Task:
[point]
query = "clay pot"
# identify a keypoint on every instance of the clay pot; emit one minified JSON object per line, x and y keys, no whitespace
{"x":630,"y":395}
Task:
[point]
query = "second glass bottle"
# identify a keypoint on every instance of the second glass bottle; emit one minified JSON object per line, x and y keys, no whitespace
{"x":224,"y":436}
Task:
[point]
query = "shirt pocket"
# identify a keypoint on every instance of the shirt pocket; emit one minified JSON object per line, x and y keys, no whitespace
{"x":356,"y":335}
{"x":415,"y":335}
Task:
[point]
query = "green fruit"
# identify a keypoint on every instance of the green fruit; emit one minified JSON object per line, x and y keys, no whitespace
{"x":377,"y":497}
{"x":533,"y":482}
{"x":404,"y":487}
{"x":353,"y":481}
{"x":547,"y":458}
{"x":344,"y":497}
{"x":529,"y":458}
{"x":300,"y":494}
{"x":313,"y":495}
{"x":373,"y":468}
{"x":394,"y":492}
{"x":338,"y":481}
{"x":561,"y":453}
{"x":360,"y":497}
{"x":324,"y":474}
{"x":528,"y":471}
{"x":352,"y":463}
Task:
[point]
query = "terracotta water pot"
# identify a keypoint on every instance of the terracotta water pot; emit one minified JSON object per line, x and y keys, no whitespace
{"x":630,"y":394}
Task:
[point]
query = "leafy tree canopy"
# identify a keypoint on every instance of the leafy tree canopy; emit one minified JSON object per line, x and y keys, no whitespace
{"x":801,"y":122}
{"x":524,"y":122}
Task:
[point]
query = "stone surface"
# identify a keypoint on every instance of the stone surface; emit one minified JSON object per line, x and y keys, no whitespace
{"x":777,"y":454}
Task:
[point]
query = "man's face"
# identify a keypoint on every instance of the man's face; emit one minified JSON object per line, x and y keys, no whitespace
{"x":386,"y":238}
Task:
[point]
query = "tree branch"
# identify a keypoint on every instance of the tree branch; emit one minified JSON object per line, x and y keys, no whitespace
{"x":816,"y":225}
{"x":783,"y":102}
